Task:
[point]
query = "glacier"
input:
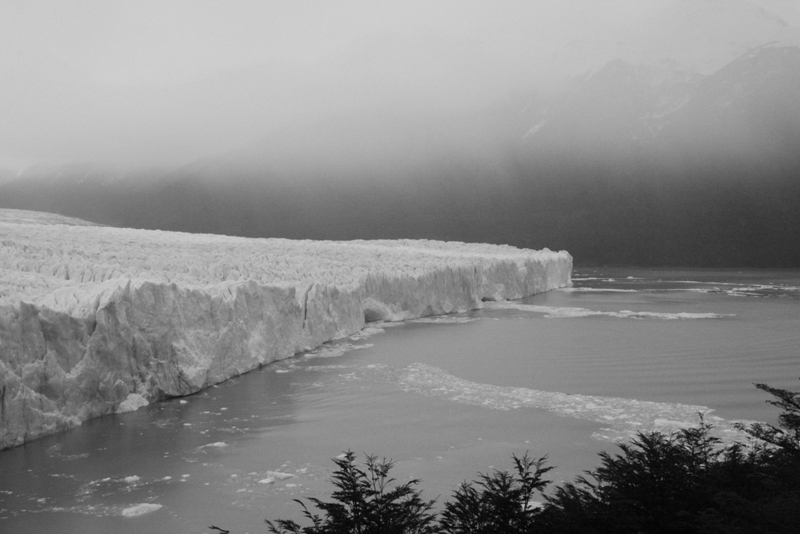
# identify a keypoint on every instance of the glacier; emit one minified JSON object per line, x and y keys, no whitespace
{"x":96,"y":320}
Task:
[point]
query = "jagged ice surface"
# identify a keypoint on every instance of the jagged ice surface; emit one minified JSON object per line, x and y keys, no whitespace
{"x":95,"y":320}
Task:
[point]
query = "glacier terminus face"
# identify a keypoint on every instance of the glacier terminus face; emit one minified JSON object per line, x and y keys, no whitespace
{"x":96,"y":320}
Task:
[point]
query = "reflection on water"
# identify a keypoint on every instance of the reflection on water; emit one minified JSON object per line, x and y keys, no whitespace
{"x":561,"y":374}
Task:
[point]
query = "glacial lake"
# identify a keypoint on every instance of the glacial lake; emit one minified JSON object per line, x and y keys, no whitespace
{"x":560,"y":374}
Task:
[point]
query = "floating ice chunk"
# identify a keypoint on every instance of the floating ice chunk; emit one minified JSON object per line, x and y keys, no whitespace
{"x":268,"y":480}
{"x":335,"y":350}
{"x":671,"y":316}
{"x":140,"y":509}
{"x":131,"y":479}
{"x":445,"y":320}
{"x":596,"y":289}
{"x":132,"y":402}
{"x":215,"y":445}
{"x":555,"y":311}
{"x":277,"y":475}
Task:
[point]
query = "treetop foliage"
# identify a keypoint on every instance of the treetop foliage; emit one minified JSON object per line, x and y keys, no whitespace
{"x":682,"y":482}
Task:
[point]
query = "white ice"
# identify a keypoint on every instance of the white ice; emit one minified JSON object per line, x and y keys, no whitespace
{"x":40,"y":256}
{"x":563,"y":311}
{"x":141,"y":315}
{"x":622,"y":418}
{"x":140,"y":509}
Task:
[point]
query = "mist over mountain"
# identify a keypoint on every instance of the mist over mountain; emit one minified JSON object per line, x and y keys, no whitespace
{"x":671,"y":137}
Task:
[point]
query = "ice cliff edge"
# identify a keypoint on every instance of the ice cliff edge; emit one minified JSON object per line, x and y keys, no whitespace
{"x":96,"y":320}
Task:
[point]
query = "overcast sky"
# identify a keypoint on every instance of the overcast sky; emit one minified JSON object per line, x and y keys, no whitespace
{"x":166,"y":82}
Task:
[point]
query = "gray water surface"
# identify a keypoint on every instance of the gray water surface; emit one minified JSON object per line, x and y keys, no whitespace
{"x":562,"y":374}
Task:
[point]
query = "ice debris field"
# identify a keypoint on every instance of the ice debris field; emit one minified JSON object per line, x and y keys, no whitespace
{"x":621,"y":418}
{"x":97,"y":320}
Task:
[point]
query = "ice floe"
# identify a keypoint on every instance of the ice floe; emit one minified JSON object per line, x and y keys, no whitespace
{"x":277,"y":475}
{"x":140,"y":509}
{"x":564,"y":311}
{"x":215,"y":445}
{"x":132,"y":402}
{"x":630,"y":284}
{"x":621,"y":418}
{"x":596,"y":290}
{"x":446,"y":319}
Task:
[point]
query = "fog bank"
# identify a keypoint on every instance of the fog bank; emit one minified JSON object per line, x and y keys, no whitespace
{"x":167,"y":83}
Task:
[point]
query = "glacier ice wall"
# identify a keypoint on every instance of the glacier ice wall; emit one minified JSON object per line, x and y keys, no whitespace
{"x":96,"y":320}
